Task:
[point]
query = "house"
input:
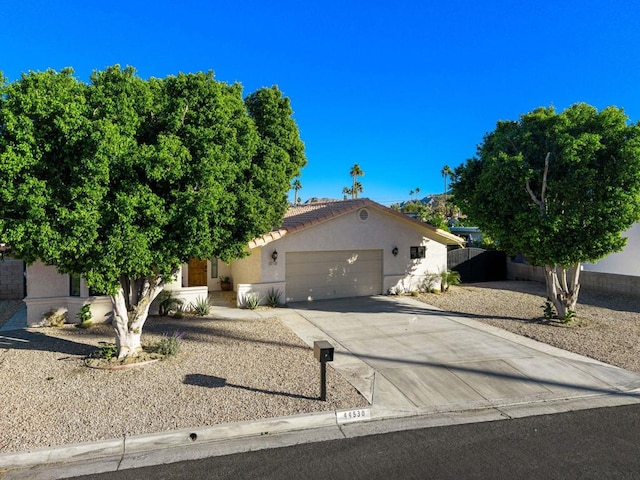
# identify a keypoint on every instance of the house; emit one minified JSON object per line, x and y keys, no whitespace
{"x":625,"y":262}
{"x":324,"y":250}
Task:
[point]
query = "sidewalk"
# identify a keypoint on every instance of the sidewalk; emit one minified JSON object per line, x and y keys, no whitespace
{"x":416,"y":365}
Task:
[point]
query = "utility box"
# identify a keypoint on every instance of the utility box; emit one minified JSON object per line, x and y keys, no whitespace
{"x":323,"y":351}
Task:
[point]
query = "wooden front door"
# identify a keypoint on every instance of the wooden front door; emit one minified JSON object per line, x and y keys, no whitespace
{"x":197,"y":273}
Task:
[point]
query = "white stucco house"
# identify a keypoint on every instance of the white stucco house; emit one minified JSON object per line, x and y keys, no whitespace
{"x":625,"y":262}
{"x":322,"y":251}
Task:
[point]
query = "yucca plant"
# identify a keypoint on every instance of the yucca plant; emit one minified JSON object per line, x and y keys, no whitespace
{"x":448,"y":278}
{"x":273,"y":297}
{"x":251,"y":300}
{"x":201,"y":306}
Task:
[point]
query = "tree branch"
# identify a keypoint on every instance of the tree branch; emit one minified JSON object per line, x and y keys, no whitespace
{"x":543,"y":194}
{"x":184,"y":114}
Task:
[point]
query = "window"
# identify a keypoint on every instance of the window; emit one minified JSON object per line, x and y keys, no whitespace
{"x":74,"y":285}
{"x":418,"y":252}
{"x":214,"y":267}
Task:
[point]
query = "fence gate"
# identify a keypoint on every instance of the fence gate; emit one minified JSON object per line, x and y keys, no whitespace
{"x":478,"y":265}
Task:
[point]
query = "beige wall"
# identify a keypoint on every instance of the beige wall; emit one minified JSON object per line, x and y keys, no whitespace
{"x":249,"y":269}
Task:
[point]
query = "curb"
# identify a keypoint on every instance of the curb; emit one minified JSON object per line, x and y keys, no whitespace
{"x":142,"y":443}
{"x":143,"y":450}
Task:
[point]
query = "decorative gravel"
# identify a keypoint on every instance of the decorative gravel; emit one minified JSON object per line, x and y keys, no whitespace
{"x":231,"y":370}
{"x":227,"y":370}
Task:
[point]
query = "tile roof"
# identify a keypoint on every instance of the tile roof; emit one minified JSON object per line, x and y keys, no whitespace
{"x":306,"y":215}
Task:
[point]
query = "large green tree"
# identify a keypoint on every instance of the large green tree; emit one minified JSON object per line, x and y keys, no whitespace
{"x":123,"y":179}
{"x":559,"y":188}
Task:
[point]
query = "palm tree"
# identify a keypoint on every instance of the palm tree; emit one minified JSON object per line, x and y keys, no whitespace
{"x":296,"y":185}
{"x":355,"y":172}
{"x":446,"y":173}
{"x":417,"y":193}
{"x":357,"y":188}
{"x":346,"y":191}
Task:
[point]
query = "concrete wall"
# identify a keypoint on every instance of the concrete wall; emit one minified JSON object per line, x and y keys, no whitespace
{"x":592,"y":281}
{"x":11,"y":279}
{"x":48,"y":290}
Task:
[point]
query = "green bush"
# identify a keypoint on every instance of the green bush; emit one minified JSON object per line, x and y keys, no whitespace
{"x":84,"y":316}
{"x":106,"y":350}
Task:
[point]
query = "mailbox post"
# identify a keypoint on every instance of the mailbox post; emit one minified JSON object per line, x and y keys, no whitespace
{"x":323,"y":351}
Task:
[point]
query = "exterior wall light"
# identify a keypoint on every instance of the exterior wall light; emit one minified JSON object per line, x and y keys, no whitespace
{"x":395,"y":251}
{"x":3,"y":250}
{"x":274,"y":255}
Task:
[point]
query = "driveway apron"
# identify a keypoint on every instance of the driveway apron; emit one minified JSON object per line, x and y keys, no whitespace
{"x":407,"y":357}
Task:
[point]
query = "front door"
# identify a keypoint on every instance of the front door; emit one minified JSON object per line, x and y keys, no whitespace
{"x":197,"y":273}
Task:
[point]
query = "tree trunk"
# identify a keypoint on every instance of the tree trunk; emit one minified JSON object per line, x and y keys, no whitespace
{"x":562,"y":293}
{"x":130,"y":311}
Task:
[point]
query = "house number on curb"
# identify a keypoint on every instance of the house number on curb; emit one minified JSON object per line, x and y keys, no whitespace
{"x":353,"y":415}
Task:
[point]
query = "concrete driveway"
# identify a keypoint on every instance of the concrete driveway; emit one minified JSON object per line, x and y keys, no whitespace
{"x":406,"y":357}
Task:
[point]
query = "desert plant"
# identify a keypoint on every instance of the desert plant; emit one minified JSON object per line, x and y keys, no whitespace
{"x":168,"y":303}
{"x":179,"y":311}
{"x":571,"y":314}
{"x":548,"y":311}
{"x":106,"y":350}
{"x":273,"y":297}
{"x":55,"y":318}
{"x":84,"y":316}
{"x":251,"y":300}
{"x":201,"y":306}
{"x":448,"y":278}
{"x":168,"y":346}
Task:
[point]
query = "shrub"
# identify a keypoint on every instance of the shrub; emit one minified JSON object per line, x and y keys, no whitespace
{"x":179,"y":311}
{"x":106,"y":350}
{"x":55,"y":318}
{"x":84,"y":316}
{"x":168,"y":303}
{"x":168,"y":346}
{"x":548,"y":311}
{"x":448,"y":278}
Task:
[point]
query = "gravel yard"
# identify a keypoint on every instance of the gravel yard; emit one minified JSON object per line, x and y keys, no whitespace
{"x":226,"y":371}
{"x":243,"y":369}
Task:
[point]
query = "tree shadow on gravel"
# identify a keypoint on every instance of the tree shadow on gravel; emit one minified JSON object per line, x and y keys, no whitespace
{"x":211,"y":381}
{"x":29,"y":340}
{"x":205,"y":330}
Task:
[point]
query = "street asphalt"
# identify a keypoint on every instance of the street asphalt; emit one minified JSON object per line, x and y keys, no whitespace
{"x":417,"y":366}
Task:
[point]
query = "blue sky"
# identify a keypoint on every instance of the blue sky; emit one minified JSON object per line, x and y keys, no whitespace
{"x":402,"y":88}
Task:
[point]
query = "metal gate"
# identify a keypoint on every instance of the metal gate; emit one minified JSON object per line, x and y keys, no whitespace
{"x":478,"y":265}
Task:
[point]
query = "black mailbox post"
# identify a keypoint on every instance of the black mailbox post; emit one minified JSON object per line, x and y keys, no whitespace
{"x":323,"y":351}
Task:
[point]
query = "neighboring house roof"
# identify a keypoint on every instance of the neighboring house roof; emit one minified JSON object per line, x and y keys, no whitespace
{"x":306,"y":215}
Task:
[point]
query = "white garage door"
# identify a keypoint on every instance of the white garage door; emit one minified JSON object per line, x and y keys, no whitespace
{"x":334,"y":274}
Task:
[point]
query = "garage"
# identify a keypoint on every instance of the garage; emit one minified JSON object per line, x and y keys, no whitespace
{"x":333,"y":274}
